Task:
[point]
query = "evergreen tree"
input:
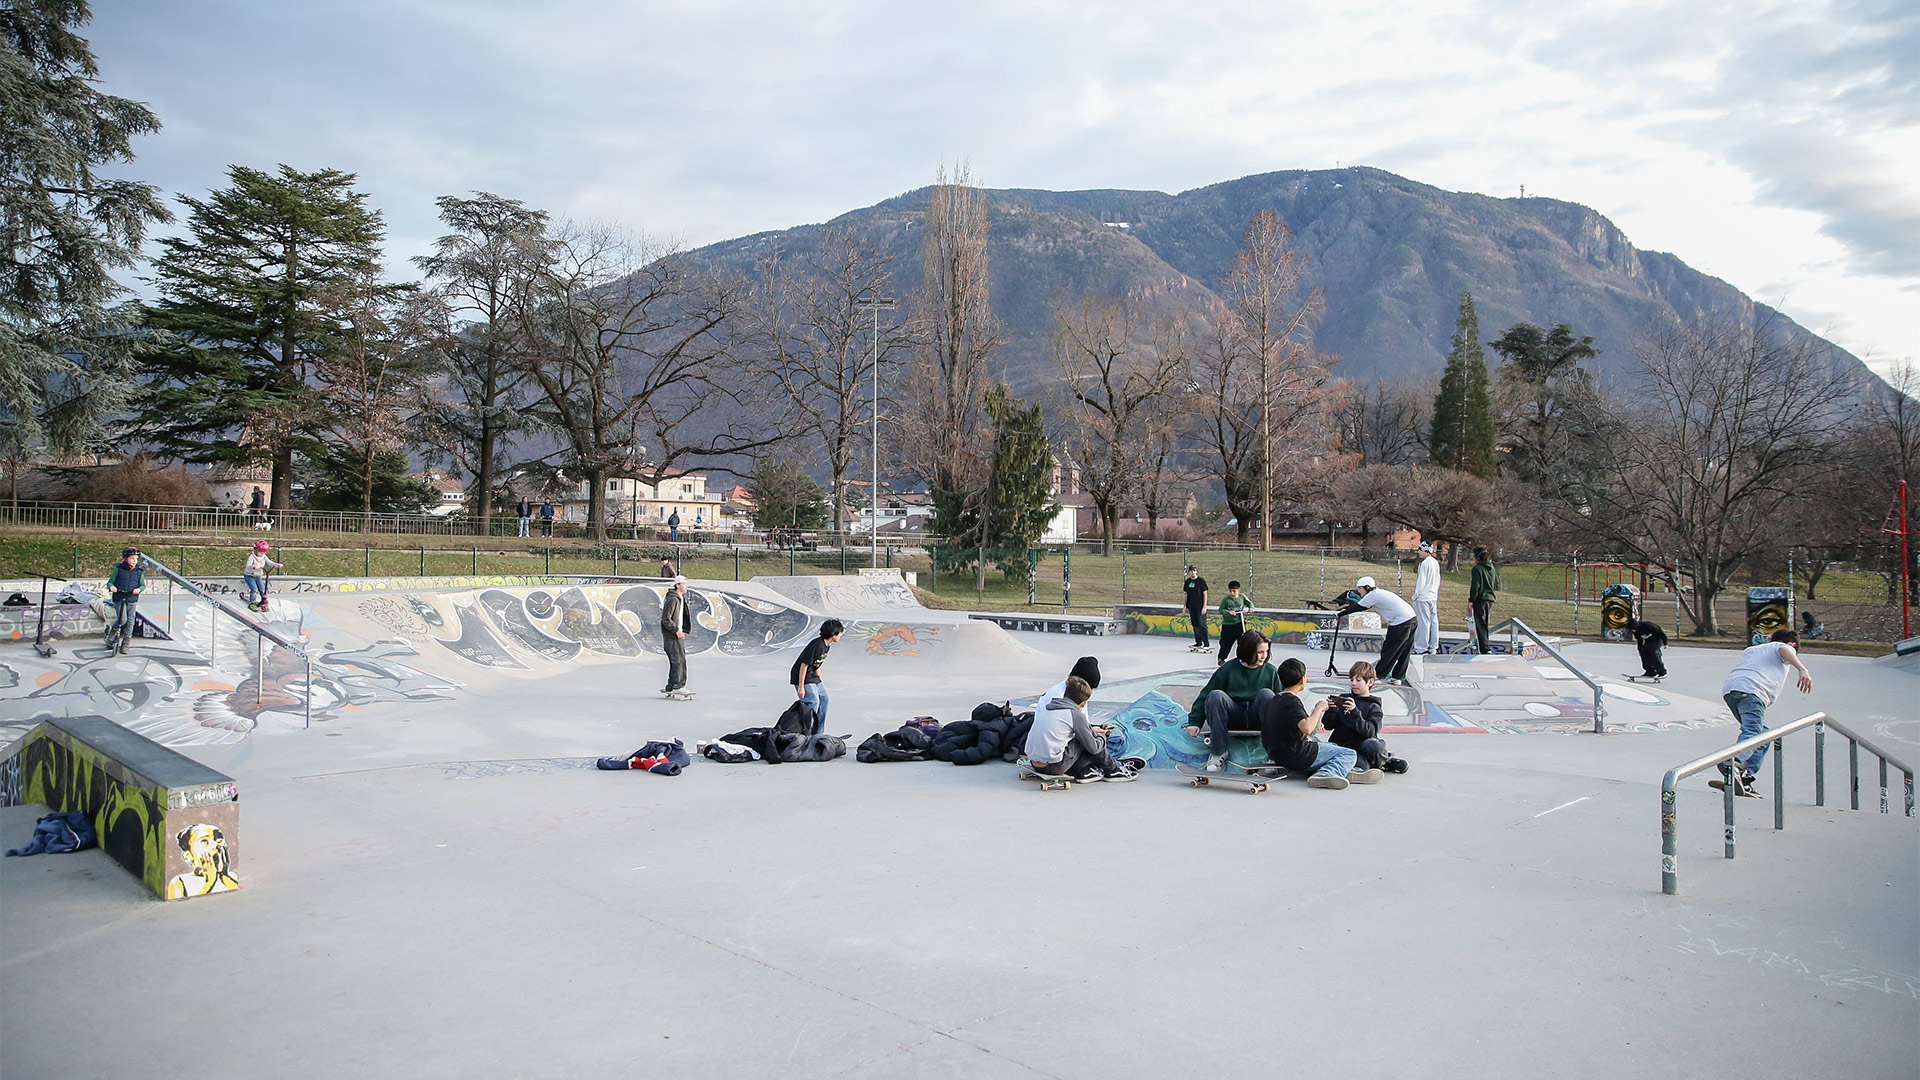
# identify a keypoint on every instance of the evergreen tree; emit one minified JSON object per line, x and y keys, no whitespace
{"x":1463,"y":433}
{"x":65,"y":356}
{"x":785,"y":497}
{"x":379,"y":482}
{"x":1014,"y":510}
{"x":1547,"y":404}
{"x":254,"y":295}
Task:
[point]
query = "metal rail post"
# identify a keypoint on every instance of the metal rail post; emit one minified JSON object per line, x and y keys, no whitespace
{"x":1819,"y":764}
{"x":1123,"y":575}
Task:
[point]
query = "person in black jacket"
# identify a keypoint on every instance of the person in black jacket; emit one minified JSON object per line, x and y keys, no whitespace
{"x":125,"y":585}
{"x":1353,"y":721}
{"x":805,"y":673}
{"x":1653,"y":643}
{"x":676,"y":619}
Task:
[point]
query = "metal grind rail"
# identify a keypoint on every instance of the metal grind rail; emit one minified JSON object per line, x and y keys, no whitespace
{"x":1514,"y":628}
{"x":262,"y":635}
{"x":1819,"y":722}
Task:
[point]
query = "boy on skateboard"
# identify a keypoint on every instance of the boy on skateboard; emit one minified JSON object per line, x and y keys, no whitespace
{"x":1233,"y":607}
{"x":1353,"y":721}
{"x":1652,"y":642}
{"x":1234,"y":699}
{"x":1287,"y":732}
{"x":254,"y":574}
{"x":1063,"y":742}
{"x":1756,"y":679}
{"x":676,"y":620}
{"x":1195,"y":588}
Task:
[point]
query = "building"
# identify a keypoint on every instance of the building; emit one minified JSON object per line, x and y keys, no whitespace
{"x":633,"y":500}
{"x":453,"y":493}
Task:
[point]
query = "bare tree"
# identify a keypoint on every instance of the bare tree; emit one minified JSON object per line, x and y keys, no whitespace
{"x":1724,"y":431}
{"x":630,"y":350}
{"x":1382,"y":422}
{"x":1112,"y":382}
{"x":808,"y":328}
{"x":1445,"y":505}
{"x":483,"y":272}
{"x":957,"y":338}
{"x":371,"y":381}
{"x":1271,"y":314}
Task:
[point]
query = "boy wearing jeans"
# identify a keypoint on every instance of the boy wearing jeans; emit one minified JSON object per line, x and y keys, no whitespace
{"x":1286,"y":730}
{"x":805,"y":675}
{"x":254,"y":574}
{"x":1756,"y":679}
{"x":1353,"y":721}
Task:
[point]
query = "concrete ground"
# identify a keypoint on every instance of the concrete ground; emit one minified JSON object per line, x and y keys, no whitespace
{"x":448,"y":889}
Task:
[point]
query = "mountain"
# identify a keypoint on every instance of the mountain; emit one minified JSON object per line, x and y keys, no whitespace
{"x":1392,"y":254}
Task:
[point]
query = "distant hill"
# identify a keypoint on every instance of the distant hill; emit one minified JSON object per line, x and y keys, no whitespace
{"x":1392,"y":254}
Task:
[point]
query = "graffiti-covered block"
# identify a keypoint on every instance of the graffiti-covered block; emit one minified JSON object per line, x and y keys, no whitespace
{"x":171,"y":821}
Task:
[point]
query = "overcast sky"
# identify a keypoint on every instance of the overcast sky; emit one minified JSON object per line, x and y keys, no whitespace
{"x":1775,"y":145}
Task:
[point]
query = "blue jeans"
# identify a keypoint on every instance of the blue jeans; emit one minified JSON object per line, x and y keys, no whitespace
{"x":1333,"y":760}
{"x":1752,"y":714}
{"x":816,"y":696}
{"x":124,"y":611}
{"x":256,"y":586}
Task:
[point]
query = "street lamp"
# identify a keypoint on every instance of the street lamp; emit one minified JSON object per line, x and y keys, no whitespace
{"x":873,"y":497}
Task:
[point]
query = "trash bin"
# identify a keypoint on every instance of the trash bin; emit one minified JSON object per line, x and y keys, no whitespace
{"x":1618,"y":605}
{"x":1768,"y":609}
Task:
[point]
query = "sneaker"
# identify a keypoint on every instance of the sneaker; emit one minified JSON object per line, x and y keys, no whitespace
{"x":1395,"y":765}
{"x":1365,"y":776}
{"x":1120,"y":775}
{"x":1137,"y":764}
{"x":1746,"y":789}
{"x":1216,"y":763}
{"x":1093,"y":777}
{"x":1329,"y":781}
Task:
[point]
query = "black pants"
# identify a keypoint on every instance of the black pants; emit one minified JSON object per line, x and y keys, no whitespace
{"x":1229,"y":634}
{"x":676,"y":660}
{"x":1482,"y":611}
{"x":1395,"y":650}
{"x":1651,"y":661}
{"x":1225,"y":715}
{"x":1199,"y":620}
{"x":1077,"y":761}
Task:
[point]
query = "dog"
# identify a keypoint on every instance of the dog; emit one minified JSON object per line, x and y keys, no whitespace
{"x":263,"y":525}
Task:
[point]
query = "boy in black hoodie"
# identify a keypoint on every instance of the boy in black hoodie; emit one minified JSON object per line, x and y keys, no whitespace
{"x":1353,"y":721}
{"x":1653,"y":643}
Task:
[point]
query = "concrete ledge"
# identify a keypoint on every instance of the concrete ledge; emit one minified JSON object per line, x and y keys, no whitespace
{"x":1085,"y":625}
{"x":171,"y":821}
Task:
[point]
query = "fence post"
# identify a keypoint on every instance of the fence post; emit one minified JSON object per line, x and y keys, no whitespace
{"x":1033,"y":567}
{"x":366,"y":560}
{"x":843,"y":556}
{"x":550,"y":560}
{"x":1066,"y":579}
{"x":1323,"y":574}
{"x":423,"y":560}
{"x":616,"y":560}
{"x":76,"y":558}
{"x":1123,"y":575}
{"x":474,"y":570}
{"x":183,"y":568}
{"x":1576,"y":617}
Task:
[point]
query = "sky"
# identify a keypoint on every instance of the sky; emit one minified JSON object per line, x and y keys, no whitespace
{"x":1775,"y":145}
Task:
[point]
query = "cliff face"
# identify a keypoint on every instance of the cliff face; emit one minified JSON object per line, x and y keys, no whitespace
{"x":1392,"y":254}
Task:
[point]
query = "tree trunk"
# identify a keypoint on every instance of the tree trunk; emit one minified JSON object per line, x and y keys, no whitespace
{"x":597,"y":504}
{"x":1240,"y":531}
{"x":483,"y":480}
{"x":1109,"y":524}
{"x":282,"y":498}
{"x":366,"y":490}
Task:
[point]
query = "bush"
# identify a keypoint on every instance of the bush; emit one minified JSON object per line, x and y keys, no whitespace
{"x":138,"y":482}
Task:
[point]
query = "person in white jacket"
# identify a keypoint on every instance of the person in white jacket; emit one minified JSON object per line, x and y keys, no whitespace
{"x":1426,"y":602}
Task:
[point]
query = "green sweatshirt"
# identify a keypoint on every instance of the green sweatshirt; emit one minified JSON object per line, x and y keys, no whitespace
{"x":1231,"y":606}
{"x":1486,"y":579}
{"x":1239,"y":681}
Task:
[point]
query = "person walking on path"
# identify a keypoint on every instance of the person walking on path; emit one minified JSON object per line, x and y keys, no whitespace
{"x":1400,"y":622}
{"x":1426,"y":602}
{"x":673,"y":527}
{"x":1485,"y":582}
{"x":1652,"y":642}
{"x":1196,"y":598}
{"x":805,"y":674}
{"x":1756,"y":680}
{"x":257,"y":506}
{"x":667,"y":568}
{"x":1235,"y":699}
{"x":1233,"y":608}
{"x":254,"y":574}
{"x":676,"y":620}
{"x":546,"y":516}
{"x":525,"y":512}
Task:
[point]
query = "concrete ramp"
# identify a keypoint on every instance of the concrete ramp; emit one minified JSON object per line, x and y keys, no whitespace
{"x":1502,"y":693}
{"x":839,"y":595}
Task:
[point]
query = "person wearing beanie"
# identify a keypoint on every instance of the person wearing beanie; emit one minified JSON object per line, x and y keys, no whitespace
{"x":1087,"y":668}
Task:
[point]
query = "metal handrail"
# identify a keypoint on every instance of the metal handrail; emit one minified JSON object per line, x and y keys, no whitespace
{"x":262,"y":634}
{"x":1819,"y":722}
{"x":1599,"y":690}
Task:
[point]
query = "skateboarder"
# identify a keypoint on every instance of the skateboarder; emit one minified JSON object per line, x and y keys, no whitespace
{"x":1398,"y":616}
{"x":1063,"y":742}
{"x":1196,"y":598}
{"x":1426,"y":602}
{"x":254,"y":574}
{"x":676,"y":619}
{"x":1233,"y":607}
{"x":1287,"y":729}
{"x":1653,"y":642}
{"x":805,"y":674}
{"x":1486,"y":580}
{"x":1756,"y":679}
{"x":1353,"y":721}
{"x":1234,"y":699}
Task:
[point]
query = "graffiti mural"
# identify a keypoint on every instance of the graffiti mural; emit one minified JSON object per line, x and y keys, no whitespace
{"x":1618,"y":604}
{"x":893,"y":639}
{"x":205,"y":848}
{"x":1768,"y":609}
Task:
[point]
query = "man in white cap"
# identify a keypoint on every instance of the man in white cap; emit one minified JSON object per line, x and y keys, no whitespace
{"x":1398,"y":615}
{"x":676,"y":619}
{"x":1426,"y":602}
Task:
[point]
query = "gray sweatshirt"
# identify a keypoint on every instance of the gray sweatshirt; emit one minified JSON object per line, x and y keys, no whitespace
{"x":1061,"y":720}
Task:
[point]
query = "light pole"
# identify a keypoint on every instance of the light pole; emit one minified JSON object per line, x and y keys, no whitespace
{"x":873,"y":496}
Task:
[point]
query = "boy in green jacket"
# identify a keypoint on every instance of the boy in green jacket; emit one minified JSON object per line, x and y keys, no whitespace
{"x":1235,"y":698}
{"x":1480,"y":590}
{"x":1232,"y":619}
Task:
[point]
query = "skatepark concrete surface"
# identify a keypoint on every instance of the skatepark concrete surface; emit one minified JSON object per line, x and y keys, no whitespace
{"x":437,"y":883}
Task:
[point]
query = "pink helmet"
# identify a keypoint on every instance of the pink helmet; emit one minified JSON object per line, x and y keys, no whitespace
{"x":262,"y":545}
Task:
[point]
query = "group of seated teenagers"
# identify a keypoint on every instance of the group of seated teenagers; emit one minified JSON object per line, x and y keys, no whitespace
{"x":1248,"y":694}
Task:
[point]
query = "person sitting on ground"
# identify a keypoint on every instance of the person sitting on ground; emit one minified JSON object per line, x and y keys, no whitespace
{"x":1286,"y":730}
{"x":1063,"y":742}
{"x":1652,"y":642}
{"x":1233,"y":608}
{"x":1397,"y":616}
{"x":1353,"y":721}
{"x":1087,"y":667}
{"x":1234,"y":699}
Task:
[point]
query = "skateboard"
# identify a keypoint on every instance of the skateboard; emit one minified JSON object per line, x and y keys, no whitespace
{"x":678,"y":695}
{"x":1048,"y":781}
{"x":1642,"y":678}
{"x":1256,"y":778}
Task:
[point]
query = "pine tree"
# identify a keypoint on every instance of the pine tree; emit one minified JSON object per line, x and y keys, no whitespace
{"x":254,"y":295}
{"x":65,"y":357}
{"x":1463,"y":432}
{"x":1018,"y":503}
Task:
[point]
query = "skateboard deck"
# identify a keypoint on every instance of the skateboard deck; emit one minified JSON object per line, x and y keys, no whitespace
{"x":1642,"y":678}
{"x":1048,"y":781}
{"x":678,"y":695}
{"x":1255,"y":780}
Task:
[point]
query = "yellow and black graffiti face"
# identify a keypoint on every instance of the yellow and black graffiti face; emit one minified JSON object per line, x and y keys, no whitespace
{"x":206,"y":850}
{"x":1765,"y":618}
{"x":1615,"y":611}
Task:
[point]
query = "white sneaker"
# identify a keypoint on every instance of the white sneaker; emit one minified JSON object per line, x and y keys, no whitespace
{"x":1216,"y":763}
{"x":1365,"y":776}
{"x":1331,"y":782}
